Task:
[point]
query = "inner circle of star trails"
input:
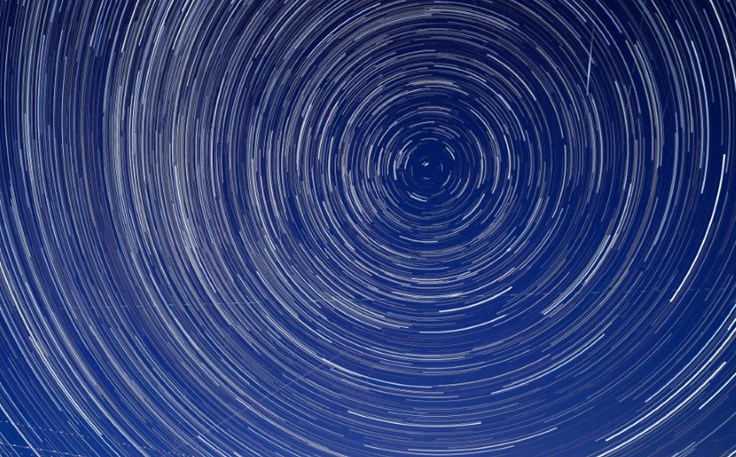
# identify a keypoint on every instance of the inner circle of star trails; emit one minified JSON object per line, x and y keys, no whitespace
{"x":368,"y":228}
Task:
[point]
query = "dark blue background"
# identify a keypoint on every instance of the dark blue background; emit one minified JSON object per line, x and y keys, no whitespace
{"x":367,"y":229}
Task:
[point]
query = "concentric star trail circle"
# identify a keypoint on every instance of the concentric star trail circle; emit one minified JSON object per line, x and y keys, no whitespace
{"x":406,"y":228}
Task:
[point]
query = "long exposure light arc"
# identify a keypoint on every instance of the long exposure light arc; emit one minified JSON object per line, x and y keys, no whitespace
{"x":368,"y":228}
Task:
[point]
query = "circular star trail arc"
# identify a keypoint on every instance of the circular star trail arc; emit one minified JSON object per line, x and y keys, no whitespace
{"x":410,"y":228}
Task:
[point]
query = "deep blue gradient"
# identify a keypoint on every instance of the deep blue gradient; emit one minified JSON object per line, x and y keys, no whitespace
{"x":361,"y":228}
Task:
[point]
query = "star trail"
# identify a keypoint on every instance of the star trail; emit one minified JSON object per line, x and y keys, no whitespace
{"x":368,"y":228}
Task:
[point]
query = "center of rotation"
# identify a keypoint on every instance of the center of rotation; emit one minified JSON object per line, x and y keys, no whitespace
{"x":429,"y":168}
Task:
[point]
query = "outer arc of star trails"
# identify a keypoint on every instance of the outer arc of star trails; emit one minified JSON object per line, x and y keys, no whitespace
{"x":368,"y":228}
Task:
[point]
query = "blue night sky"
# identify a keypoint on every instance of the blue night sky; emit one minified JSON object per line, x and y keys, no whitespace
{"x":368,"y":228}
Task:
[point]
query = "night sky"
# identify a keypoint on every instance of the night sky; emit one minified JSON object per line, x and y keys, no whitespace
{"x":368,"y":228}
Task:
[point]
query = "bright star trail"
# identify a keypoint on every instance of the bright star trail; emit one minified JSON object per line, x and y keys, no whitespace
{"x":368,"y":228}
